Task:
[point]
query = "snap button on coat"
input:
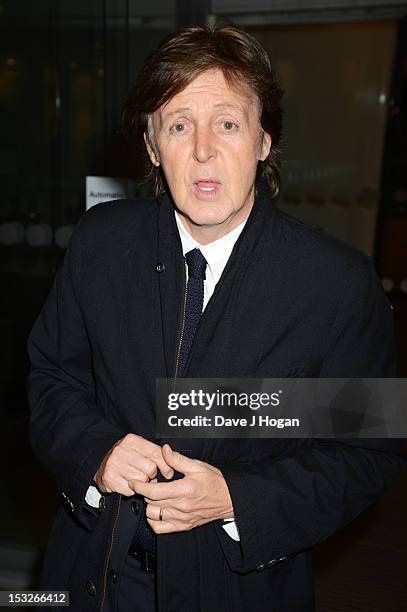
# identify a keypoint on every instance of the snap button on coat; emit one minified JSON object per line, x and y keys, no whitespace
{"x":90,"y":587}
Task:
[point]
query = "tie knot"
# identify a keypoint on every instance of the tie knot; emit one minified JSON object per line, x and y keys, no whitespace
{"x":196,"y":263}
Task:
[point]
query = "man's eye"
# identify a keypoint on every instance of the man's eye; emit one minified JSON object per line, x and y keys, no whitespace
{"x":179,"y":127}
{"x":229,"y":125}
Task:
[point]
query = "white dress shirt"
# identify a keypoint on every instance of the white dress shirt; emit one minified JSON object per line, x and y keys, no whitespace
{"x":216,"y":254}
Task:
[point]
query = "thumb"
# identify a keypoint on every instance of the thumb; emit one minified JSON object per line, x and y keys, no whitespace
{"x":177,"y":461}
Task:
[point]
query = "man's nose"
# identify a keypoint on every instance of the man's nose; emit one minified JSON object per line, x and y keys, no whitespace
{"x":204,"y":146}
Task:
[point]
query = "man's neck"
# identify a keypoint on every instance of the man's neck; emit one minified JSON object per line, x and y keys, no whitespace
{"x":205,"y":234}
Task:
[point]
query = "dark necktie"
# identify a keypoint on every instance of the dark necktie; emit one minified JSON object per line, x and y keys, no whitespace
{"x":196,"y":263}
{"x":145,"y":538}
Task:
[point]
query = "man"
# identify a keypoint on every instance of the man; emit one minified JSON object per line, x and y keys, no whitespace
{"x":200,"y":525}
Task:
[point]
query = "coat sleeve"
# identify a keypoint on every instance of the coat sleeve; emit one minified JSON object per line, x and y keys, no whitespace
{"x":295,"y":502}
{"x":68,"y":431}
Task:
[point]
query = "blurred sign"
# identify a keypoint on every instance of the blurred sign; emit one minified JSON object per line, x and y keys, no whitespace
{"x":105,"y":188}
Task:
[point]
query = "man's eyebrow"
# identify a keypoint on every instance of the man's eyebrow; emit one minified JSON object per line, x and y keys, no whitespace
{"x":176,"y":112}
{"x":220,"y":105}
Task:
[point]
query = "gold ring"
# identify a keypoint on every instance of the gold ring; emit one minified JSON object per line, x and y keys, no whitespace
{"x":160,"y":516}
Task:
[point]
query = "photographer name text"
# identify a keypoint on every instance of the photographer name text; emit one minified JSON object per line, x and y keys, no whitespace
{"x":218,"y":420}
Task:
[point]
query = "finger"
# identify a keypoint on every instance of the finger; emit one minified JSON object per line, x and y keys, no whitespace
{"x":122,"y":488}
{"x":150,"y":451}
{"x":129,"y":465}
{"x":158,"y":490}
{"x":153,"y":512}
{"x":160,"y":527}
{"x":154,"y":453}
{"x":126,"y":491}
{"x":180,"y":462}
{"x":164,"y":468}
{"x":143,"y":464}
{"x":172,"y":502}
{"x":169,"y":514}
{"x":136,"y":475}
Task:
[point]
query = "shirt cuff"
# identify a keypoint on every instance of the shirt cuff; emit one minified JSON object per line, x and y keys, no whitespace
{"x":92,"y":497}
{"x":230,"y":526}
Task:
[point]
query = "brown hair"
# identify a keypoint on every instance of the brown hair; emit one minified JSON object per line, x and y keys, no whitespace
{"x":183,"y":56}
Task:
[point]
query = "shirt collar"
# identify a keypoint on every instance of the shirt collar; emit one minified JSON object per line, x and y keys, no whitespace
{"x":217,"y":252}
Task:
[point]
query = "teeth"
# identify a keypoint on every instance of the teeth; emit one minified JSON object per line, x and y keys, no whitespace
{"x":207,"y":188}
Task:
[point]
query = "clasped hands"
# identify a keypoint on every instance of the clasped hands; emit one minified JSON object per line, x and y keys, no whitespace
{"x":202,"y":496}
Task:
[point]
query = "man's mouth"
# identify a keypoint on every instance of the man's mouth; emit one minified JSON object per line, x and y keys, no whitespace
{"x":207,"y":186}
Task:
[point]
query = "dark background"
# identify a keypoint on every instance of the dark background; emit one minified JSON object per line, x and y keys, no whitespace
{"x":65,"y":67}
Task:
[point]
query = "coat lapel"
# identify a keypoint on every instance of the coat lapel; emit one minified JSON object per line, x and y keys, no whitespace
{"x":170,"y":279}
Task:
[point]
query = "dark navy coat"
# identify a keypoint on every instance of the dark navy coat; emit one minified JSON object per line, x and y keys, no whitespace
{"x":291,"y":302}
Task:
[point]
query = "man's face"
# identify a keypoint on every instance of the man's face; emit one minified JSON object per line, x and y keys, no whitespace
{"x":209,"y":139}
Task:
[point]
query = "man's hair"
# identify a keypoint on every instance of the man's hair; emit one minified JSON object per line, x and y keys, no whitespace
{"x":183,"y":56}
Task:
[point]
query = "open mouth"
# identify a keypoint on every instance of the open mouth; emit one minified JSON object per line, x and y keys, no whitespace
{"x":207,"y":187}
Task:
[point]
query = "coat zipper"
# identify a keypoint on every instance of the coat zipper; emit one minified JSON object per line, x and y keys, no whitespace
{"x":181,"y":336}
{"x":109,"y":554}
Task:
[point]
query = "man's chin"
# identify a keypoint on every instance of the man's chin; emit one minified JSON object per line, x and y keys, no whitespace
{"x":205,"y":220}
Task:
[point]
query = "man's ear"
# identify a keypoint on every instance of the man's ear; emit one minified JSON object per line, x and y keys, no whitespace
{"x":153,"y":154}
{"x":265,"y":146}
